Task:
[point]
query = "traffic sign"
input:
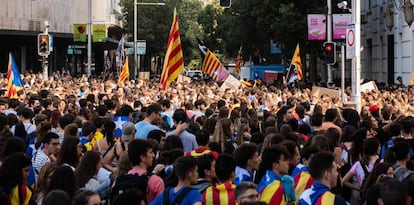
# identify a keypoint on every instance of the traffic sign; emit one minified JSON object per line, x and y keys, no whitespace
{"x":350,"y":41}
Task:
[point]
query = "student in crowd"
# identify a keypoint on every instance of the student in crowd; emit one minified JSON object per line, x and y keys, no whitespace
{"x":393,"y":192}
{"x":70,"y":152}
{"x":112,"y":156}
{"x":185,"y":169}
{"x":302,"y":178}
{"x":246,"y":192}
{"x":275,"y":160}
{"x":248,"y":161}
{"x":46,"y":155}
{"x":324,"y":172}
{"x":188,"y":139}
{"x":206,"y":172}
{"x":86,"y":197}
{"x":57,"y":197}
{"x":145,"y":126}
{"x":13,"y":180}
{"x":223,"y":191}
{"x":203,"y":139}
{"x":141,"y":157}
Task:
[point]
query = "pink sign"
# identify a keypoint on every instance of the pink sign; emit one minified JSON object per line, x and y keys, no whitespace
{"x":316,"y":27}
{"x":340,"y":21}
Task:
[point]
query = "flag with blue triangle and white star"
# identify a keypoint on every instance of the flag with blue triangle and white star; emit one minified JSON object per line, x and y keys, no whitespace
{"x":119,"y":122}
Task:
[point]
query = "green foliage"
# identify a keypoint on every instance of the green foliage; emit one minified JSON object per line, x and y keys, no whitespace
{"x":250,"y":23}
{"x":154,"y":24}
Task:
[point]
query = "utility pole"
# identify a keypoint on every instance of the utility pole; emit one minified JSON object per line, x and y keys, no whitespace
{"x":89,"y":37}
{"x":135,"y":39}
{"x":356,"y":61}
{"x":329,"y":36}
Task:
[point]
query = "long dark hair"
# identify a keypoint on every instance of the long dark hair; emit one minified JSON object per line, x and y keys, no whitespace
{"x":87,"y":167}
{"x":11,"y":170}
{"x":63,"y":179}
{"x":109,"y":132}
{"x":69,"y":152}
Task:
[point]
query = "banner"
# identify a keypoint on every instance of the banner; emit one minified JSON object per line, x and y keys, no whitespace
{"x":99,"y":33}
{"x":340,"y":21}
{"x":316,"y":27}
{"x":79,"y":32}
{"x":369,"y":86}
{"x":231,"y":82}
{"x":319,"y":91}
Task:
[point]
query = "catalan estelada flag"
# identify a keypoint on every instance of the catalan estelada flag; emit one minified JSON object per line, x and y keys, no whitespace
{"x":213,"y":67}
{"x":273,"y":193}
{"x":319,"y":194}
{"x":173,"y":62}
{"x":14,"y":82}
{"x":220,"y":194}
{"x":124,"y":72}
{"x":303,"y":181}
{"x":296,"y":73}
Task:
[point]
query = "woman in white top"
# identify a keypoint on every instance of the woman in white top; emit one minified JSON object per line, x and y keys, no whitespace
{"x":356,"y":176}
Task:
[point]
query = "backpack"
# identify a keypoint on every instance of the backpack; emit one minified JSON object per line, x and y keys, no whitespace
{"x":129,"y":182}
{"x":21,"y":131}
{"x":178,"y":199}
{"x":345,"y":191}
{"x":362,"y":193}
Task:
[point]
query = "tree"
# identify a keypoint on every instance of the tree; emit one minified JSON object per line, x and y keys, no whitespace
{"x":154,"y":23}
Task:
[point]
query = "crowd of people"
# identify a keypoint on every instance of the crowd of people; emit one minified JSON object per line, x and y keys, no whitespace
{"x":95,"y":141}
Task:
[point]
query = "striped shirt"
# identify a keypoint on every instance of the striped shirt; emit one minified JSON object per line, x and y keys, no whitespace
{"x":39,"y":159}
{"x":220,"y":194}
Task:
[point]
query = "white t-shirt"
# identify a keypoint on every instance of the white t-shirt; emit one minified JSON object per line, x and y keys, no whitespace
{"x":358,"y":171}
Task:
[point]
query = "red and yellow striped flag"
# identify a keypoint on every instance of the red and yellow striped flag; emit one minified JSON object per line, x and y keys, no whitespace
{"x":173,"y":62}
{"x":211,"y":65}
{"x":220,"y":194}
{"x":125,"y":72}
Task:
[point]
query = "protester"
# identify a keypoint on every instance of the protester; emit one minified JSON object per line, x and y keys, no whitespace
{"x":246,"y":192}
{"x":231,"y":119}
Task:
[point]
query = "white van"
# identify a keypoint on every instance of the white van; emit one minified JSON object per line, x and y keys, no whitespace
{"x":196,"y":74}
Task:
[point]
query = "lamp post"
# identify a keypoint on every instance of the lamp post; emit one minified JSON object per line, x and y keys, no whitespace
{"x":136,"y":29}
{"x":408,"y":12}
{"x":356,"y":61}
{"x":389,"y":16}
{"x":406,"y":7}
{"x":88,"y":69}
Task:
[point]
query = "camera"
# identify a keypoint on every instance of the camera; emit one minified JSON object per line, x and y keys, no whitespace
{"x":342,"y":5}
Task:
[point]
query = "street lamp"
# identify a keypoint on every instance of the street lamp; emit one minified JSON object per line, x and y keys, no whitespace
{"x":136,"y":30}
{"x":389,"y":17}
{"x":408,"y":12}
{"x":407,"y":7}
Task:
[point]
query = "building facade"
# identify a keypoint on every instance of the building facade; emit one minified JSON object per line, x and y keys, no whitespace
{"x":387,"y":40}
{"x":22,"y":20}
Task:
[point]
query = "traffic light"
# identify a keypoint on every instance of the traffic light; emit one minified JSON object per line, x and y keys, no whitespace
{"x":330,"y":51}
{"x":43,"y":44}
{"x":225,"y":3}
